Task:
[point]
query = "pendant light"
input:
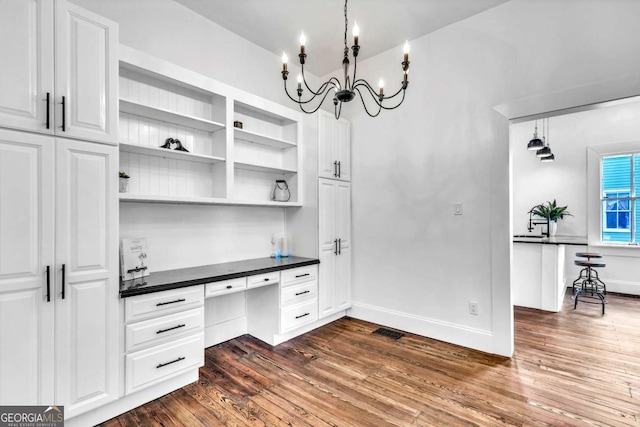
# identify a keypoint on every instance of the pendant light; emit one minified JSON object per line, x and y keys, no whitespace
{"x":545,"y":153}
{"x":536,"y":143}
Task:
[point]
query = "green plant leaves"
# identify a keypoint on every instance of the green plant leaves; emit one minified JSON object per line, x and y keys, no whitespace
{"x":551,"y":210}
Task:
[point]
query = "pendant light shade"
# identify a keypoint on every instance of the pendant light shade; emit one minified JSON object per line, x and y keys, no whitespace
{"x":544,"y":152}
{"x":536,"y":143}
{"x":549,"y":158}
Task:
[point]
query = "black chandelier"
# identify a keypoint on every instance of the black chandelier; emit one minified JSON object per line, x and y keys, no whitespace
{"x":347,"y":91}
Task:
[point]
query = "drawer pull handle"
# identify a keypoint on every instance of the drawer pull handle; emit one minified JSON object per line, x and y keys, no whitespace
{"x":266,"y":279}
{"x":170,"y":329}
{"x":302,"y":315}
{"x":169,"y":363}
{"x":229,"y":286}
{"x":170,"y":302}
{"x":301,"y":275}
{"x":302,"y":293}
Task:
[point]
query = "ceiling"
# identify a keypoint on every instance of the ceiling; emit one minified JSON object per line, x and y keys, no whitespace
{"x":275,"y":25}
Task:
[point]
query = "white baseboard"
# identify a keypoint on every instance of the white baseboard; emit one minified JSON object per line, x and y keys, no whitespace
{"x":448,"y":332}
{"x":623,"y":287}
{"x":311,"y":326}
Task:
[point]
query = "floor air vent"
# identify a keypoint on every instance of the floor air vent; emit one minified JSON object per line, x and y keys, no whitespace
{"x":388,"y":333}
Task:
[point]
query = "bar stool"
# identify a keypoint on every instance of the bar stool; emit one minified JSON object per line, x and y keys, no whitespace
{"x":591,"y":286}
{"x":583,"y":273}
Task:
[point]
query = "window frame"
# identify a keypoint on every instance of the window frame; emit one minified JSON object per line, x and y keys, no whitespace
{"x":595,"y":194}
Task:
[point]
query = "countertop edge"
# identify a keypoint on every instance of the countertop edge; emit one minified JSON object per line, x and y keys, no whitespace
{"x":559,"y":240}
{"x":217,"y":278}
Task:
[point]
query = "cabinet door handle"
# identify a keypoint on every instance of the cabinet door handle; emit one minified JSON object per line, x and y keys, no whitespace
{"x":64,"y":108}
{"x":170,"y":329}
{"x":339,"y":246}
{"x":169,"y":363}
{"x":170,"y":302}
{"x":335,"y":245}
{"x":48,"y":284}
{"x":302,"y":315}
{"x":48,"y":101}
{"x":302,"y":293}
{"x":266,"y":279}
{"x":64,"y":273}
{"x":229,"y":286}
{"x":301,"y":275}
{"x":339,"y":170}
{"x":335,"y":168}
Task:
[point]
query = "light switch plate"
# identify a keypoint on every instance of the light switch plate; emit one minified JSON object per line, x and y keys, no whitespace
{"x":457,"y":208}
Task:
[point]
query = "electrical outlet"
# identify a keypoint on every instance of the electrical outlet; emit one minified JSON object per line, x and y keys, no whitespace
{"x":473,"y":308}
{"x":457,"y":208}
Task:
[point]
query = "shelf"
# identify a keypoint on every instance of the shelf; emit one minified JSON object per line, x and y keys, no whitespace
{"x":144,"y":198}
{"x":169,"y":116}
{"x":247,"y":136}
{"x":260,"y":168}
{"x":170,"y":154}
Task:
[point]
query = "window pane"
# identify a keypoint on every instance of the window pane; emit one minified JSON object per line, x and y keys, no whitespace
{"x":623,"y":205}
{"x":623,"y":220}
{"x":611,"y":220}
{"x":616,"y":173}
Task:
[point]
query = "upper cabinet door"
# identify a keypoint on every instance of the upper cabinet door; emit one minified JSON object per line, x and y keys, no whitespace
{"x":334,"y":147}
{"x":327,"y":168}
{"x":26,"y":74}
{"x":342,"y":147}
{"x":86,"y":74}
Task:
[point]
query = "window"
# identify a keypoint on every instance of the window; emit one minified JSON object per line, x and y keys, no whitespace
{"x":620,"y":196}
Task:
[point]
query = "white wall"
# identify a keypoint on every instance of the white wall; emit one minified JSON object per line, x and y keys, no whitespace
{"x":416,"y":265}
{"x":566,"y":180}
{"x":188,"y":235}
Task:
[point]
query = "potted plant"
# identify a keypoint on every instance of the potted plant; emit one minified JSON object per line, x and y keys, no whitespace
{"x":553,"y":212}
{"x":124,"y":182}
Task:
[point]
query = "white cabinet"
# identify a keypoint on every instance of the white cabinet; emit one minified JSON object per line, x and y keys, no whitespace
{"x":26,"y":253}
{"x":164,"y":336}
{"x":47,"y":38}
{"x":224,"y":164}
{"x":275,"y":312}
{"x":334,"y":147}
{"x":58,"y":272}
{"x":334,"y":223}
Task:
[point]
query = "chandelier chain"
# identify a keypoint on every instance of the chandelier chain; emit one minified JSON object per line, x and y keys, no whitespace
{"x":346,"y":24}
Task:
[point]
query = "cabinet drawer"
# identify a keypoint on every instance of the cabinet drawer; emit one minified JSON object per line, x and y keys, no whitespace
{"x":298,"y":315}
{"x":147,"y":367}
{"x":263,"y":279}
{"x":165,"y":302}
{"x":161,"y":329}
{"x":298,"y":275}
{"x":225,"y":287}
{"x":298,"y":293}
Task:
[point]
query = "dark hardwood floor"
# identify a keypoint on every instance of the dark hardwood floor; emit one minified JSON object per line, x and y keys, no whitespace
{"x":574,"y":368}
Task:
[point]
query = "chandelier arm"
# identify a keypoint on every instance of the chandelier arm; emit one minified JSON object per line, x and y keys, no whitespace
{"x":376,"y":99}
{"x":395,"y":106}
{"x":322,"y":87}
{"x":301,"y":104}
{"x":361,"y":82}
{"x":365,"y":105}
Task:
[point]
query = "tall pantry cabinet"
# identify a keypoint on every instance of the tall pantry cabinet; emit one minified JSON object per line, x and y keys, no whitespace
{"x":58,"y":207}
{"x":334,"y":214}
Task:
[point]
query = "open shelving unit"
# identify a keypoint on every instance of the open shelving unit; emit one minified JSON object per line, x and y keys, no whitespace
{"x":223,"y":164}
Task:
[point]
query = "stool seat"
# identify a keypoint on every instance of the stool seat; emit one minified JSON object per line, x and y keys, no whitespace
{"x":588,"y":255}
{"x":591,"y":264}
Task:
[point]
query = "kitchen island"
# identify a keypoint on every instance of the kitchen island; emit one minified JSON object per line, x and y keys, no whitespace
{"x":538,"y":273}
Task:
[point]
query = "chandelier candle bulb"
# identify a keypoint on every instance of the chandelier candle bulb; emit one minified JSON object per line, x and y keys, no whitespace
{"x":285,"y":59}
{"x":299,"y":81}
{"x":303,"y":41}
{"x":405,"y":50}
{"x":381,"y":85}
{"x":356,"y":33}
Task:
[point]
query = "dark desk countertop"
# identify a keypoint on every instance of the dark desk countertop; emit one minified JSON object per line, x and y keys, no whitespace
{"x":180,"y":278}
{"x":553,"y":240}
